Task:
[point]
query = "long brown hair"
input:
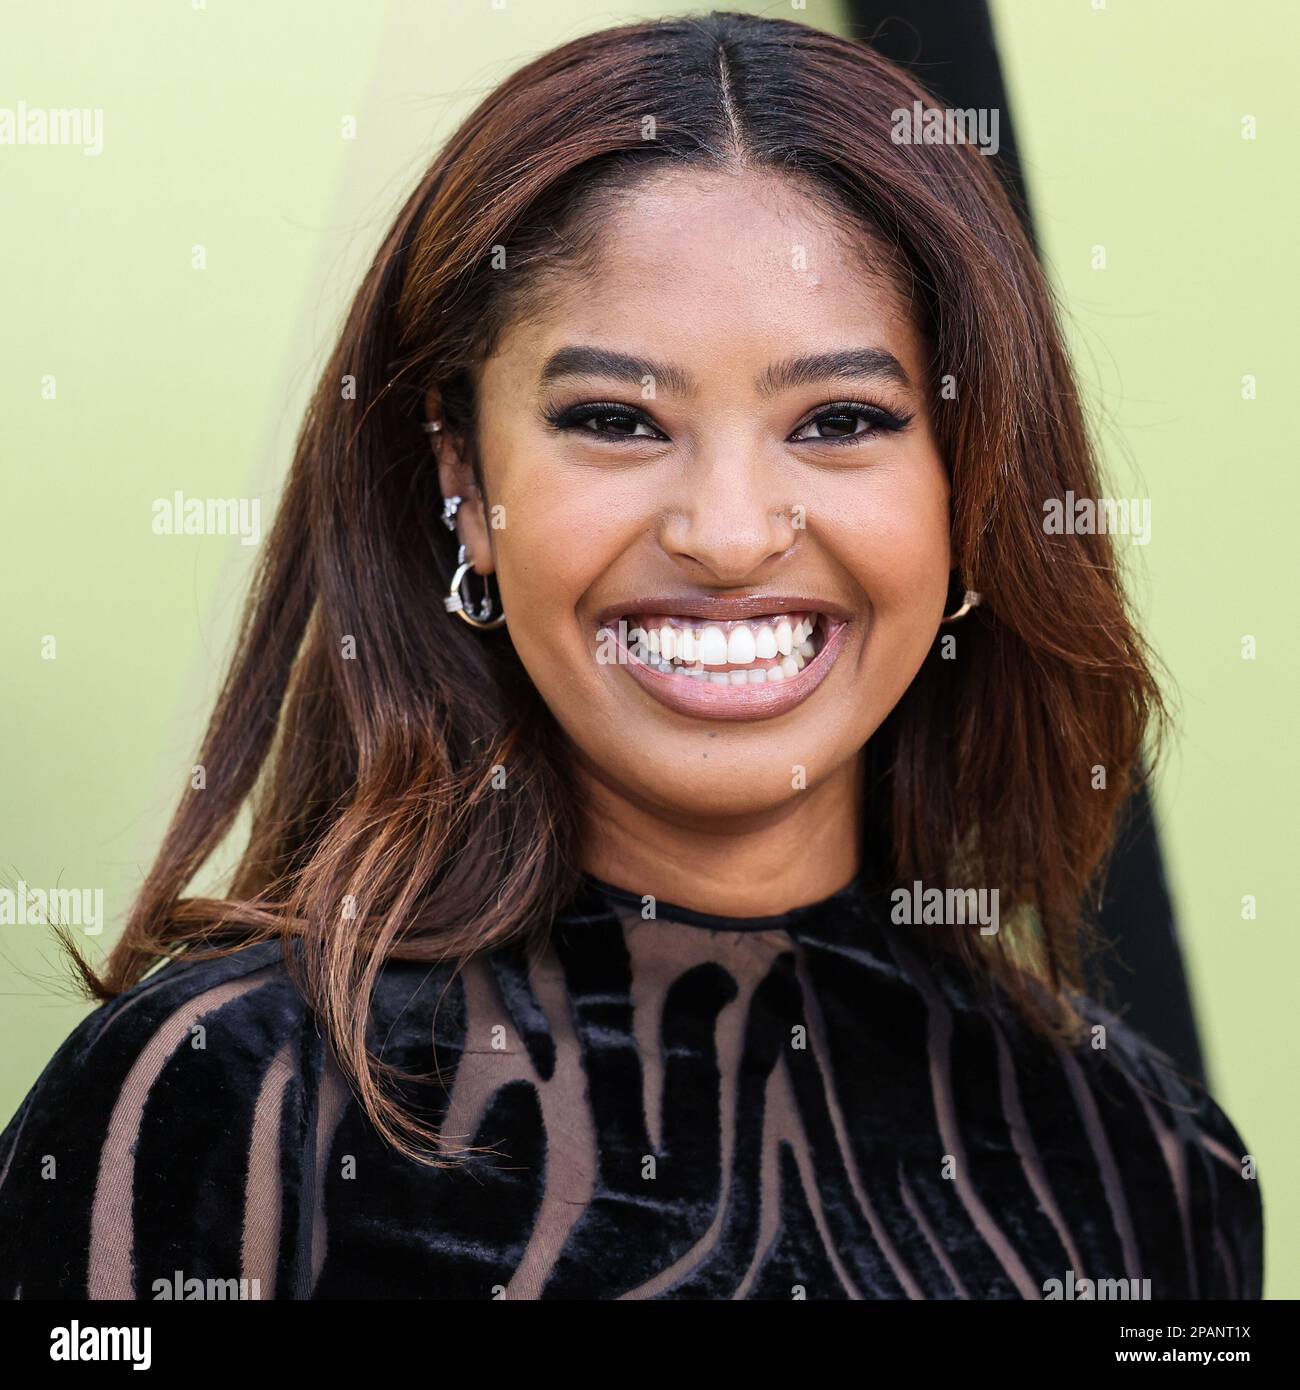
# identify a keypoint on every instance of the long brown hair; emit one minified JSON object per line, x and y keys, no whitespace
{"x":367,"y":729}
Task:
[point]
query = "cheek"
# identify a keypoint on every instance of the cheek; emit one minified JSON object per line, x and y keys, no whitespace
{"x":893,"y":537}
{"x":565,"y":525}
{"x":903,"y":562}
{"x":554,"y":545}
{"x":560,"y":536}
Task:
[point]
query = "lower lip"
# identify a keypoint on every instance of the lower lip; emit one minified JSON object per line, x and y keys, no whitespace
{"x":704,"y":700}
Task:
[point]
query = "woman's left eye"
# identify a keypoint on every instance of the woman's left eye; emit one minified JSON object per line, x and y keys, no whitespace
{"x":842,"y":422}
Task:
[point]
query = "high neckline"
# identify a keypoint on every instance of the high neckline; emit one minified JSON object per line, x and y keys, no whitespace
{"x":841,"y":901}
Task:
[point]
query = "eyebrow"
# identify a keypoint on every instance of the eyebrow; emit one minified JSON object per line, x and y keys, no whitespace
{"x":783,"y":376}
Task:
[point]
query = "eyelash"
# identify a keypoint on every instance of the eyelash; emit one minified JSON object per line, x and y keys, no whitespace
{"x":576,"y":417}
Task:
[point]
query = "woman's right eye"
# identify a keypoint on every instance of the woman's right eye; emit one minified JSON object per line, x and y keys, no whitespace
{"x":607,"y":421}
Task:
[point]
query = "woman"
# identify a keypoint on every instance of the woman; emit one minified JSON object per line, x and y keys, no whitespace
{"x":670,"y":882}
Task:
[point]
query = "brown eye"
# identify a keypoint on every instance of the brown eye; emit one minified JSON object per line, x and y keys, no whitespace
{"x":837,"y":426}
{"x":613,"y":422}
{"x":838,"y":423}
{"x":606,"y":421}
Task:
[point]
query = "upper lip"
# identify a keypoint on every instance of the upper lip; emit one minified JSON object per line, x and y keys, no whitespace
{"x":721,"y":607}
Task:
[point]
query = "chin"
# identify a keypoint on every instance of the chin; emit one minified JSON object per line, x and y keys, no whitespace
{"x":726,"y":786}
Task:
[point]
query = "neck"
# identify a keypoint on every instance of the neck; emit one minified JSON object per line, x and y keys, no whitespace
{"x":755,"y":865}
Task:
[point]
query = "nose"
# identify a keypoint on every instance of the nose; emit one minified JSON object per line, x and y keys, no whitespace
{"x":730,"y":518}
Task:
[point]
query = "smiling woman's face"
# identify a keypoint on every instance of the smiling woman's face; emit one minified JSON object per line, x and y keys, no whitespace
{"x":677,"y":475}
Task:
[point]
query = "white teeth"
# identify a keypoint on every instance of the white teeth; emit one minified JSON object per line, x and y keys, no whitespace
{"x":740,"y":646}
{"x":686,"y":651}
{"x":712,"y":648}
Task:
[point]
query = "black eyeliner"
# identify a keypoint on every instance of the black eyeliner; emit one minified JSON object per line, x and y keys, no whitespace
{"x":568,"y":417}
{"x":563,"y":418}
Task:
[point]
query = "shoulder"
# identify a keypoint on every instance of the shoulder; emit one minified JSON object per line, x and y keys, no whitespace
{"x":1173,"y":1165}
{"x":182,"y":1130}
{"x":202,"y":1006}
{"x":151,"y":1093}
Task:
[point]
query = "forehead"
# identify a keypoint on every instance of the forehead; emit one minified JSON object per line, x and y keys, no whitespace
{"x":721,"y":271}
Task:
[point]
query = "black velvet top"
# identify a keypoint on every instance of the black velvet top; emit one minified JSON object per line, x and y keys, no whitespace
{"x":802,"y":1106}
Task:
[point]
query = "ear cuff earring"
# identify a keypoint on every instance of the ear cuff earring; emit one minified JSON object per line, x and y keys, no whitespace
{"x":455,"y":602}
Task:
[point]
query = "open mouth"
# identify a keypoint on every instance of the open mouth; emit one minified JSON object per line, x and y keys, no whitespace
{"x":747,"y":652}
{"x":747,"y":668}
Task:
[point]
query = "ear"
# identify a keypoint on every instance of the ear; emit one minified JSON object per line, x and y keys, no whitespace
{"x":456,"y":479}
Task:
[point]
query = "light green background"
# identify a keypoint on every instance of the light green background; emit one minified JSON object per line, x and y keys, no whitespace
{"x":223,"y":128}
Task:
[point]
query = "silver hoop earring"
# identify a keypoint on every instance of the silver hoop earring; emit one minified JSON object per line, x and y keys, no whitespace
{"x":970,"y":599}
{"x":454,"y":603}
